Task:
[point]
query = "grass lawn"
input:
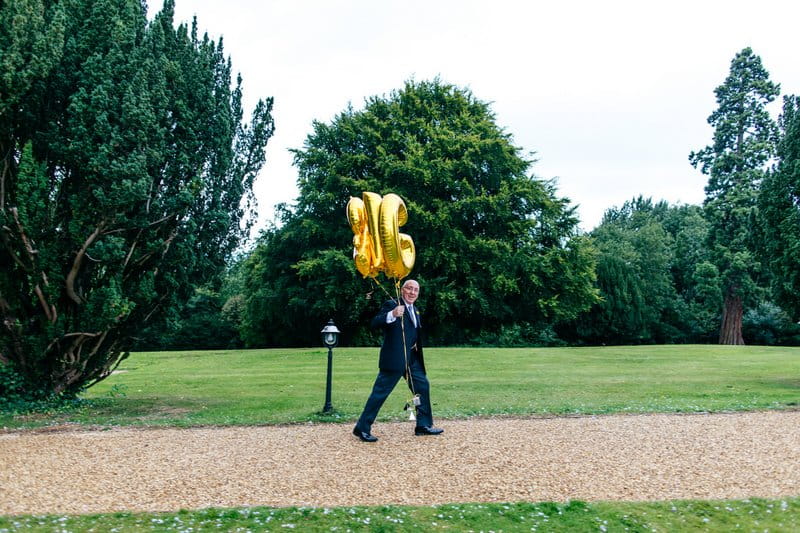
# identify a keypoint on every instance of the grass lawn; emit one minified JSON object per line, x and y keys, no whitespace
{"x":288,"y":386}
{"x":241,"y":387}
{"x":774,"y":516}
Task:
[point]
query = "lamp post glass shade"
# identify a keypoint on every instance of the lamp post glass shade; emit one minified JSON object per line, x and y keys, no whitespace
{"x":330,"y":337}
{"x":330,"y":334}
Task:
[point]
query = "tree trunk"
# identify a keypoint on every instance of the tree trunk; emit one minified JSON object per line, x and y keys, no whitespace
{"x":731,"y":330}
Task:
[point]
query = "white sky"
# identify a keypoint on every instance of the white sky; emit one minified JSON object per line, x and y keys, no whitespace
{"x":611,"y":96}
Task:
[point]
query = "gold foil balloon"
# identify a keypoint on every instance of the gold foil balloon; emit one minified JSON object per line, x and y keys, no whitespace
{"x":378,"y":245}
{"x":398,"y":248}
{"x":362,"y":253}
{"x":372,"y":204}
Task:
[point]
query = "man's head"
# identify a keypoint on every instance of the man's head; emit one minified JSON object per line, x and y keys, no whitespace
{"x":410,"y":291}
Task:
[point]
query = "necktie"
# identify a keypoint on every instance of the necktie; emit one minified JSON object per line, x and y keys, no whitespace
{"x":413,"y":316}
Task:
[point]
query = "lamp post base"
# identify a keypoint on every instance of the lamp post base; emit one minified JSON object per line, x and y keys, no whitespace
{"x":328,"y":407}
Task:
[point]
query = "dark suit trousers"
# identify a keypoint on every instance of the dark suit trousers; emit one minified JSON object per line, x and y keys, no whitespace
{"x":384,"y":385}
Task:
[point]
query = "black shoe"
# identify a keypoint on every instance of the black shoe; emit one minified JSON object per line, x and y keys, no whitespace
{"x":427,"y":430}
{"x":363,"y":435}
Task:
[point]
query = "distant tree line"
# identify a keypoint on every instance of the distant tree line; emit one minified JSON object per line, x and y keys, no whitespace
{"x":500,"y":259}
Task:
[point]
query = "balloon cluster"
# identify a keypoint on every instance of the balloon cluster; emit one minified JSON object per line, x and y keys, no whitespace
{"x":378,"y":246}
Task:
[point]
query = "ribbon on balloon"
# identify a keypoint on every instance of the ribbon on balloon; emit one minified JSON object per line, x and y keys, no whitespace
{"x":378,"y":245}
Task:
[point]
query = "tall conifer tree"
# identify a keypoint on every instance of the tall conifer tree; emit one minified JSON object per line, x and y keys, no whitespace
{"x":744,"y":141}
{"x":779,"y":209}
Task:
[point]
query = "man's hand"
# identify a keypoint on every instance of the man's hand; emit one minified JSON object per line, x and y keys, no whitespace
{"x":398,"y":311}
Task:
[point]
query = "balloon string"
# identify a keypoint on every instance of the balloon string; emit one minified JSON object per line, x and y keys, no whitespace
{"x":405,"y":349}
{"x":381,"y":287}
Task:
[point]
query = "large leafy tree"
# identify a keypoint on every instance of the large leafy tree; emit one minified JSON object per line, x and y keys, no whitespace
{"x":495,"y":245}
{"x":126,"y":173}
{"x":744,"y":141}
{"x":639,"y":300}
{"x":654,"y":277}
{"x":779,"y":203}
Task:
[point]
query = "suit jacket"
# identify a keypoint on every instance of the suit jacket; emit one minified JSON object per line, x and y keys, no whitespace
{"x":391,"y":356}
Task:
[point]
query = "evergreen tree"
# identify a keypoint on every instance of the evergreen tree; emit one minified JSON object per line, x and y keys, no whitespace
{"x":779,"y":203}
{"x":744,"y":142}
{"x":656,"y":283}
{"x":639,"y":303}
{"x":126,"y":171}
{"x":495,"y":246}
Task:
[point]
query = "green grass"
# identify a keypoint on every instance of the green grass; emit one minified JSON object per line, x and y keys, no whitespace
{"x":288,"y":386}
{"x":242,"y":387}
{"x":715,"y":516}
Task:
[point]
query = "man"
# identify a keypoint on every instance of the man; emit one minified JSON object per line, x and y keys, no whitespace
{"x":400,"y":356}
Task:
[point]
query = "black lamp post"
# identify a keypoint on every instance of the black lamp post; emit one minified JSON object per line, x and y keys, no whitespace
{"x":330,"y":338}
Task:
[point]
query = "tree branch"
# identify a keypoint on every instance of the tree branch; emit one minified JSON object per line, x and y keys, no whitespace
{"x":99,"y":343}
{"x":130,"y":252}
{"x":8,"y":322}
{"x":5,"y":309}
{"x":24,"y":237}
{"x":3,"y":180}
{"x":160,"y":220}
{"x":65,"y":335}
{"x":45,"y":306}
{"x":49,"y":309}
{"x":6,"y":231}
{"x":76,"y":264}
{"x":169,"y":240}
{"x":111,"y":364}
{"x":153,"y":310}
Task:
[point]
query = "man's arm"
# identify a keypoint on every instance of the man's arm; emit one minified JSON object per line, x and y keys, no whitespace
{"x":387,"y":314}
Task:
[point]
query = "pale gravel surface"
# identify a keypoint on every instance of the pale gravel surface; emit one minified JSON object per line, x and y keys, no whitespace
{"x":636,"y":457}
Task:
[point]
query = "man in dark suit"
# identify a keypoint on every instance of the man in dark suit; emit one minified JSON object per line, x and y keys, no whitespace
{"x":400,"y":356}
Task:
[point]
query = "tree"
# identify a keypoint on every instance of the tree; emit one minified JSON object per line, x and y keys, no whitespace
{"x":779,"y":209}
{"x":744,"y":142}
{"x":655,"y":280}
{"x":495,"y":246}
{"x":126,"y":180}
{"x":203,"y":326}
{"x":639,"y":301}
{"x":695,"y":278}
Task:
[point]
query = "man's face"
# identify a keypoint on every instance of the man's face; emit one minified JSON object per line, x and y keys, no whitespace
{"x":410,"y":291}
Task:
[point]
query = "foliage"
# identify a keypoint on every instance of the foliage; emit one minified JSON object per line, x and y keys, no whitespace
{"x":752,"y":514}
{"x":653,"y":276}
{"x":12,"y":388}
{"x":520,"y":334}
{"x":705,"y":302}
{"x":126,"y":179}
{"x":768,"y":324}
{"x":633,"y":275}
{"x":210,"y":319}
{"x":744,"y":141}
{"x":779,"y":208}
{"x":495,"y":246}
{"x":19,"y":397}
{"x":200,"y":323}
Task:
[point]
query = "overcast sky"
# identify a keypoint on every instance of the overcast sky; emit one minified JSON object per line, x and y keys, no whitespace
{"x":611,"y":96}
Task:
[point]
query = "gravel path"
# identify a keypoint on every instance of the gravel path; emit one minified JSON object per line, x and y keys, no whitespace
{"x":647,"y":457}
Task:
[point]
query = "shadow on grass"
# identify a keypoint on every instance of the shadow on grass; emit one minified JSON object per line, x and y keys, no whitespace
{"x":103,"y":411}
